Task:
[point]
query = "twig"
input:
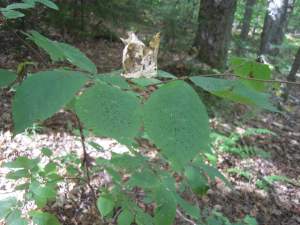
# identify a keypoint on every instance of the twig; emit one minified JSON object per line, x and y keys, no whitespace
{"x":185,"y":218}
{"x":84,"y":162}
{"x":231,"y":75}
{"x":250,"y":78}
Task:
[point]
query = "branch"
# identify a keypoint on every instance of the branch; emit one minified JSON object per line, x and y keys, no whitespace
{"x":185,"y":218}
{"x":231,"y":75}
{"x":250,"y":78}
{"x":84,"y":162}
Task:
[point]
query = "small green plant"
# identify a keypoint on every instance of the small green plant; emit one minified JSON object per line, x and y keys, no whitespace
{"x":230,"y":144}
{"x":267,"y":181}
{"x":239,"y":172}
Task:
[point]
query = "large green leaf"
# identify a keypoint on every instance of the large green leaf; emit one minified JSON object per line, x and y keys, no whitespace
{"x":43,"y":94}
{"x":176,"y":121}
{"x":234,"y":90}
{"x":43,"y":218}
{"x":109,"y":111}
{"x":60,"y":51}
{"x":105,"y":204}
{"x":77,"y":58}
{"x":251,"y":69}
{"x":47,"y":45}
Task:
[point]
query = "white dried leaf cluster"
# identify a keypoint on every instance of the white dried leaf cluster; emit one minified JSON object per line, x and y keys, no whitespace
{"x":140,"y":60}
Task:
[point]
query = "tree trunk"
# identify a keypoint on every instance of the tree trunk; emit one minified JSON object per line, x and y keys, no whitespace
{"x":292,"y":76}
{"x":275,"y":23}
{"x":295,"y":67}
{"x":247,"y":19}
{"x":214,"y":31}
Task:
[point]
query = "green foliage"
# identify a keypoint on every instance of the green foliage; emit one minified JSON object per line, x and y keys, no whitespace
{"x":267,"y":181}
{"x":43,"y":218}
{"x":105,"y":204}
{"x":12,"y":11}
{"x":176,"y":121}
{"x":6,"y":77}
{"x":234,"y":90}
{"x":6,"y":206}
{"x":239,"y":172}
{"x":62,"y":51}
{"x":125,"y":218}
{"x":36,"y":100}
{"x":111,"y":112}
{"x":246,"y":68}
{"x":114,"y":78}
{"x":39,"y":181}
{"x":230,"y":144}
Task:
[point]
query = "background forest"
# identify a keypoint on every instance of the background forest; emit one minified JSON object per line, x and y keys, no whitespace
{"x":212,"y":139}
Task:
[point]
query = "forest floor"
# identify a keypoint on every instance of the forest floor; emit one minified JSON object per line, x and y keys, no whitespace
{"x":274,"y":202}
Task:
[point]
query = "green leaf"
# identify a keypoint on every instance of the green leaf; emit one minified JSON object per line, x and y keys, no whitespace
{"x":19,"y":6}
{"x":144,"y":82}
{"x":6,"y":77}
{"x":15,"y":175}
{"x":50,"y":168}
{"x":212,"y":172}
{"x":77,"y":58}
{"x":165,"y":211}
{"x":22,"y":162}
{"x":46,"y":152}
{"x":14,"y":218}
{"x":11,"y":14}
{"x":142,"y":218}
{"x":125,"y":217}
{"x":126,"y":161}
{"x":189,"y":209}
{"x":111,"y":112}
{"x":105,"y":204}
{"x":197,"y":180}
{"x":112,"y":79}
{"x":250,"y":220}
{"x":145,"y":179}
{"x":42,"y":193}
{"x":48,"y":3}
{"x":43,"y":94}
{"x":251,"y":69}
{"x":43,"y":218}
{"x":59,"y":51}
{"x":235,"y":91}
{"x":176,"y":121}
{"x":6,"y":206}
{"x":165,"y":74}
{"x":51,"y":47}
